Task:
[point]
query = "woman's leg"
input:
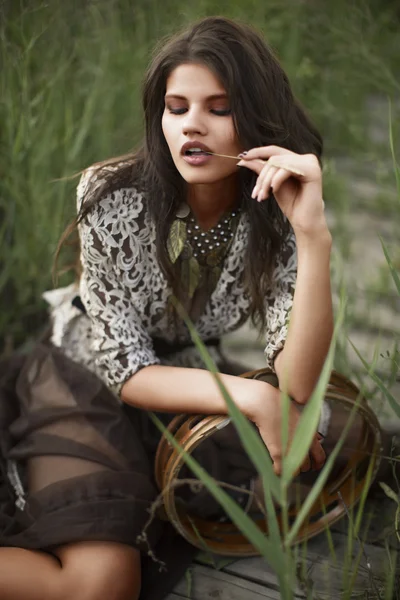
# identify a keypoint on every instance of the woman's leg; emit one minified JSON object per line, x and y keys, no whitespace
{"x":79,"y":571}
{"x":75,"y":481}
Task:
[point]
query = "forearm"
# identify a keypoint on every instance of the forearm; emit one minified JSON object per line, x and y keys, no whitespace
{"x":194,"y":391}
{"x":300,"y":363}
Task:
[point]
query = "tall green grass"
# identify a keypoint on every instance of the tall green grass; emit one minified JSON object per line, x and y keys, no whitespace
{"x":276,"y":547}
{"x":70,"y":95}
{"x":70,"y":82}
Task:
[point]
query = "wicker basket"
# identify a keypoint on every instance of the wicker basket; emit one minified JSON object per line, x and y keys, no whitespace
{"x":342,"y":489}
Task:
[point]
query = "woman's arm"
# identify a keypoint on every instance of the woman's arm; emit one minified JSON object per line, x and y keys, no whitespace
{"x":296,"y":182}
{"x":311,"y":322}
{"x":193,"y":391}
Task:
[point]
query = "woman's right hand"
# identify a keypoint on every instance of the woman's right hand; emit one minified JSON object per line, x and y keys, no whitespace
{"x":268,"y":419}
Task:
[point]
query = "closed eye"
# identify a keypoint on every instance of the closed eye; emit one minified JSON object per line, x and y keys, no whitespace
{"x":177,"y":111}
{"x":222,"y":112}
{"x":214,"y":111}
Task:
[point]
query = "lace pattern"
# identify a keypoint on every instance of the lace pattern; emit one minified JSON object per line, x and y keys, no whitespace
{"x":125,"y":293}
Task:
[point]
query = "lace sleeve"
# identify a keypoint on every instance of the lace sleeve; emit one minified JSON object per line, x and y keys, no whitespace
{"x":121,"y":344}
{"x":279,"y":300}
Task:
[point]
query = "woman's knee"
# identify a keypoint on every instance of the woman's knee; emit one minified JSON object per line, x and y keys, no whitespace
{"x":95,"y":570}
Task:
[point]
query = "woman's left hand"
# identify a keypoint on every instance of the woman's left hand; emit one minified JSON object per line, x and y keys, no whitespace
{"x":295,"y":181}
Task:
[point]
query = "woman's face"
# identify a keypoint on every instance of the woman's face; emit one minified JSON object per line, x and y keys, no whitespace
{"x":197,"y":115}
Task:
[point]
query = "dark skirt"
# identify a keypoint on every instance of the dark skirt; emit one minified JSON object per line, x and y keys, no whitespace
{"x":76,"y":464}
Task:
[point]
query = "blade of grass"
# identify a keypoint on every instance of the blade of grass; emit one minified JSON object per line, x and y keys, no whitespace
{"x":363,"y":499}
{"x":356,"y":560}
{"x":319,"y":484}
{"x":328,"y":533}
{"x":309,"y":419}
{"x":352,"y":559}
{"x":389,"y":261}
{"x":390,"y":398}
{"x":391,"y":577}
{"x":392,"y":151}
{"x":251,"y":441}
{"x":389,"y":492}
{"x":267,"y":548}
{"x":308,"y":423}
{"x":285,"y":400}
{"x":272,"y":521}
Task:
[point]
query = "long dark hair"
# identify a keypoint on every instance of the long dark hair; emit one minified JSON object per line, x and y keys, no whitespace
{"x":264,"y":111}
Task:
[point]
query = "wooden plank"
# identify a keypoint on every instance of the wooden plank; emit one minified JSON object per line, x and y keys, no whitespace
{"x":257,"y":570}
{"x":207,"y":583}
{"x":351,"y":565}
{"x":327,"y":577}
{"x":319,"y":547}
{"x":377,"y":522}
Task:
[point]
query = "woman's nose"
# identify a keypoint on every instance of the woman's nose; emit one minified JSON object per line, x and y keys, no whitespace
{"x":194,"y":123}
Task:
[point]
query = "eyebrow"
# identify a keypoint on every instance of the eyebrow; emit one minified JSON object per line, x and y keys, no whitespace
{"x":212,"y":97}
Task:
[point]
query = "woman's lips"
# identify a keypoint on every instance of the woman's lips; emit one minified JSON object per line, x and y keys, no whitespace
{"x":197,"y":160}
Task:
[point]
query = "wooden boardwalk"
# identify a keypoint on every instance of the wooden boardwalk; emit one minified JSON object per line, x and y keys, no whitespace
{"x":215,"y":578}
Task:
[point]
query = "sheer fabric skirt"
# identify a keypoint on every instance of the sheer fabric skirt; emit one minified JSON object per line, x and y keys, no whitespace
{"x":76,"y":464}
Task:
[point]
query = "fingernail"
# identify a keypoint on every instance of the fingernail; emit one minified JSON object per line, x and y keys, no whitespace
{"x":242,"y":154}
{"x":254,"y":192}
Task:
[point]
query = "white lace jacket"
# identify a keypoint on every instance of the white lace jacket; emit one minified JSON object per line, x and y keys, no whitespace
{"x":125,"y":294}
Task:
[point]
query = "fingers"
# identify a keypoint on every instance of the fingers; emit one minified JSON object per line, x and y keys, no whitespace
{"x":255,"y":165}
{"x":314,"y":460}
{"x":306,"y":466}
{"x":317,"y":454}
{"x":262,"y":188}
{"x":271,"y":175}
{"x":277,"y":466}
{"x":281,"y":162}
{"x":270,"y":180}
{"x":316,"y":457}
{"x":303,"y":167}
{"x":264,"y":152}
{"x":279,"y":177}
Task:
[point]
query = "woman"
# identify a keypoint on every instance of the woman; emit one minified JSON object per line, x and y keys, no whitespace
{"x":230,"y":238}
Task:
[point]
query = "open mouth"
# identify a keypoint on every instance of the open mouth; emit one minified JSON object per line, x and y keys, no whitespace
{"x":196,"y":152}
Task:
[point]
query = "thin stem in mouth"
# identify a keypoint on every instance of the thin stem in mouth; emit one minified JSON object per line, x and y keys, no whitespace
{"x":223,"y":155}
{"x":290,"y":169}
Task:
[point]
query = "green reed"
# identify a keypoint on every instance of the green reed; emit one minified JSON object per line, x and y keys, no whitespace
{"x":70,"y":83}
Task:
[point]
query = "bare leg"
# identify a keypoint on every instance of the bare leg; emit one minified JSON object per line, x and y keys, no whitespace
{"x":79,"y":571}
{"x":27,"y":574}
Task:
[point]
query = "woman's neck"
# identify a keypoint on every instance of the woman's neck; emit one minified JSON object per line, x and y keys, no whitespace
{"x":209,"y":201}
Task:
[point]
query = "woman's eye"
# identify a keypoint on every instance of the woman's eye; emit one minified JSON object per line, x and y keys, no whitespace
{"x":221,"y":112}
{"x":177,"y":111}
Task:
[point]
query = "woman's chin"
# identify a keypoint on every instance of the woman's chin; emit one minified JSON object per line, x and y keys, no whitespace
{"x":196,"y":179}
{"x":203,"y":177}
